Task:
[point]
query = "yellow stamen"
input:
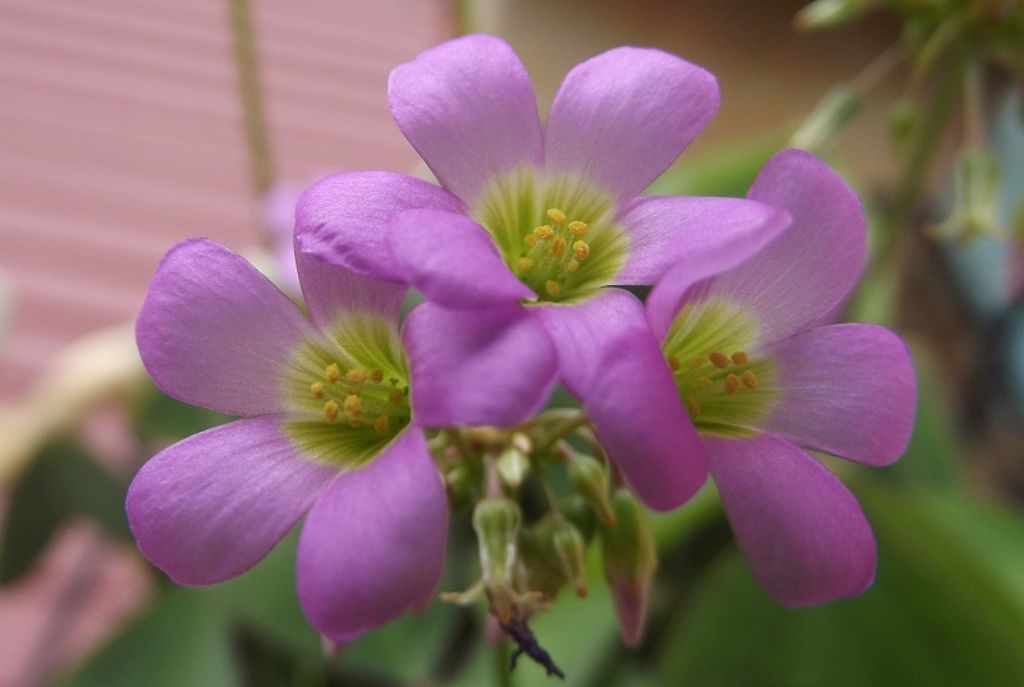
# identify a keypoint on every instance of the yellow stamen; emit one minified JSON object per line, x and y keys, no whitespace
{"x":674,"y":362}
{"x":525,"y":264}
{"x":556,"y":215}
{"x":749,"y":379}
{"x":740,"y":358}
{"x":704,"y":383}
{"x":572,"y":265}
{"x":696,"y":361}
{"x":331,"y":410}
{"x":544,"y":231}
{"x":530,"y":240}
{"x":357,"y":375}
{"x":558,"y":246}
{"x":332,"y":372}
{"x":377,"y":376}
{"x":396,"y":396}
{"x":552,"y":287}
{"x":381,"y":424}
{"x":718,"y":359}
{"x":578,"y":228}
{"x":693,"y":406}
{"x":732,"y":383}
{"x":355,"y":422}
{"x":317,"y":389}
{"x":353,"y":405}
{"x":581,"y":249}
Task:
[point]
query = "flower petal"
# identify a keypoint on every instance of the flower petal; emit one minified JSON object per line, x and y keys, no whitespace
{"x":374,"y":544}
{"x":468,"y":108}
{"x":846,"y":389}
{"x":214,"y":332}
{"x":493,"y":366}
{"x":211,"y":506}
{"x":452,"y":260}
{"x":331,"y":291}
{"x":343,"y":218}
{"x":667,"y":229}
{"x":611,"y":361}
{"x":623,"y":117}
{"x":801,"y":530}
{"x":802,"y":274}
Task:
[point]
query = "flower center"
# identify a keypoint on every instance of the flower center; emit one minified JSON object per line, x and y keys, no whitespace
{"x":348,"y":393}
{"x":727,"y":387}
{"x":557,"y":234}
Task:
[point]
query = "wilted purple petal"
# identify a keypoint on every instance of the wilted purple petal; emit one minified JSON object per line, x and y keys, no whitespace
{"x":374,"y":544}
{"x":216,"y":333}
{"x":468,"y":108}
{"x":801,"y":530}
{"x":211,"y":506}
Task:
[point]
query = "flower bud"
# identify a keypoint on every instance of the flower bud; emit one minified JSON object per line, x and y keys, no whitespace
{"x":576,"y":511}
{"x":461,"y":484}
{"x":571,"y":550}
{"x":513,"y":466}
{"x":976,"y":207}
{"x":630,"y":560}
{"x":590,"y":480}
{"x":832,"y":113}
{"x":827,"y":14}
{"x":496,"y":521}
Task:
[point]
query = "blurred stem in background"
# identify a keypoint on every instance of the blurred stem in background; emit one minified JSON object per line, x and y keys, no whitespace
{"x":261,"y":162}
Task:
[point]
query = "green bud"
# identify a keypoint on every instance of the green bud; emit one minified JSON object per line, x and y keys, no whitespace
{"x":571,"y":550}
{"x":832,"y":113}
{"x":496,"y":521}
{"x":590,"y":480}
{"x":976,"y":204}
{"x":513,"y":466}
{"x":461,"y":485}
{"x":827,"y":14}
{"x":902,"y":118}
{"x":630,"y":560}
{"x":576,"y":511}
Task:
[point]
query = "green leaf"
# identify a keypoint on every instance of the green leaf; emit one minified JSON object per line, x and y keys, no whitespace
{"x":947,"y":609}
{"x":63,"y":481}
{"x":721,"y":174}
{"x":182,"y":640}
{"x":161,"y":419}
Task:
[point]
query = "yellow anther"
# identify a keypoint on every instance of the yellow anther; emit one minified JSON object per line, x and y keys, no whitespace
{"x":749,"y":379}
{"x":674,"y":362}
{"x":317,"y":389}
{"x":740,"y":358}
{"x":544,"y":231}
{"x":353,"y":405}
{"x":572,"y":265}
{"x":578,"y":228}
{"x":552,"y":287}
{"x":331,"y":410}
{"x":332,"y":372}
{"x":377,"y":376}
{"x":525,"y":264}
{"x":732,"y":383}
{"x":718,"y":359}
{"x":357,"y":375}
{"x":558,"y":246}
{"x":396,"y":396}
{"x":581,"y":249}
{"x":696,"y":361}
{"x":355,"y":422}
{"x":704,"y":383}
{"x":556,"y":215}
{"x":381,"y":424}
{"x":693,"y":406}
{"x":530,"y":240}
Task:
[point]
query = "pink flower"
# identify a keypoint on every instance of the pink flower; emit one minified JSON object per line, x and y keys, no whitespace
{"x":333,"y":408}
{"x":761,"y":383}
{"x":546,"y":218}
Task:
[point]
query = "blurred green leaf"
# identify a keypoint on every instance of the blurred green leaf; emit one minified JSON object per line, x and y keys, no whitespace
{"x":161,"y":419}
{"x":941,"y":612}
{"x":182,"y":640}
{"x":725,"y":173}
{"x":63,"y":481}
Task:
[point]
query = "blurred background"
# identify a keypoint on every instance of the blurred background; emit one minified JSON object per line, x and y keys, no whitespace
{"x":127,"y":125}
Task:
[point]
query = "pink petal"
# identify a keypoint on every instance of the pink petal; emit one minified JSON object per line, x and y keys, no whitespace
{"x":493,"y":366}
{"x":374,"y":544}
{"x":666,"y":230}
{"x":452,"y":260}
{"x":211,"y":506}
{"x":468,"y":108}
{"x":343,"y":219}
{"x":331,"y":291}
{"x":215,"y":332}
{"x":610,"y":360}
{"x":802,"y":274}
{"x":846,"y":389}
{"x":623,"y":117}
{"x":801,"y":530}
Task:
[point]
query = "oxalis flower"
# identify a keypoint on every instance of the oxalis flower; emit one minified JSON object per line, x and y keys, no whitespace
{"x":544,"y":219}
{"x":761,"y":382}
{"x":333,"y":407}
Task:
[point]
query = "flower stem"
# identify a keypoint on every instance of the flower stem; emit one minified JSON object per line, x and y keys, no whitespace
{"x":261,"y":164}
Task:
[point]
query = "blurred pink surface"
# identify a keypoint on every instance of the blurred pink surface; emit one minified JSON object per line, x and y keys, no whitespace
{"x":121,"y":133}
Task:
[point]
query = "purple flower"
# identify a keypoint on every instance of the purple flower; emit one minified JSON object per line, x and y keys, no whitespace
{"x":759,"y":380}
{"x":544,"y":219}
{"x":332,"y":408}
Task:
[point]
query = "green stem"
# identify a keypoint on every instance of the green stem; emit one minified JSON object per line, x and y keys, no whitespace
{"x":261,"y":162}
